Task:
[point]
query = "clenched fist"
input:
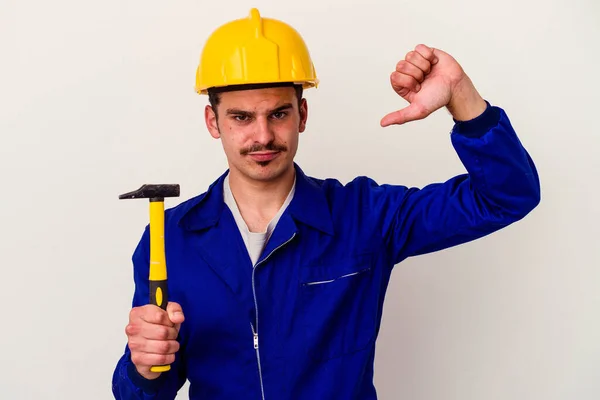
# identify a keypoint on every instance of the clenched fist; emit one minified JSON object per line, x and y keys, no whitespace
{"x":152,"y":334}
{"x":429,"y":79}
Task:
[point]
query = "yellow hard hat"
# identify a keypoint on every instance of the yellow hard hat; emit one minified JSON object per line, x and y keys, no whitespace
{"x":254,"y":50}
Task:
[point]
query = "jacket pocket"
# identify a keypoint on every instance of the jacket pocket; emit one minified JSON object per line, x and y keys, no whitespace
{"x":328,"y":278}
{"x":338,"y":303}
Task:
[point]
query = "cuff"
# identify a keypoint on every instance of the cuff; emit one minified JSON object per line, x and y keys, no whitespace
{"x":149,"y":386}
{"x":480,"y":125}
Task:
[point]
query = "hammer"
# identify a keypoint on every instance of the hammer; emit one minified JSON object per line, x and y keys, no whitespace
{"x":159,"y":293}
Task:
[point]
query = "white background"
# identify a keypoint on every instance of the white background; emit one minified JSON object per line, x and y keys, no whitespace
{"x":96,"y":98}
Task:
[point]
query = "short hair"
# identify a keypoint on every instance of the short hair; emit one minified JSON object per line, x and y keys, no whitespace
{"x":214,"y":97}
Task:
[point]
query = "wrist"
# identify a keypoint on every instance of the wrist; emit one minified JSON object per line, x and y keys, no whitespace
{"x":466,"y":103}
{"x":147,"y":374}
{"x":149,"y":384}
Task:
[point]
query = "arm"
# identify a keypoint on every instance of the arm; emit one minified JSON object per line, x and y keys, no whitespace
{"x":128,"y":383}
{"x":501,"y":185}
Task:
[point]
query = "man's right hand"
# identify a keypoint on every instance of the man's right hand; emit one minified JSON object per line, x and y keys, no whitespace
{"x":152,"y":334}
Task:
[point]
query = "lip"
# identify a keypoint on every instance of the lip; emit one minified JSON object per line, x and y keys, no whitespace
{"x":263,"y":155}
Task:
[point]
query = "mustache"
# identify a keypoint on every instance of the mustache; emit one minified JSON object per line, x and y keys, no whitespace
{"x":272,"y":146}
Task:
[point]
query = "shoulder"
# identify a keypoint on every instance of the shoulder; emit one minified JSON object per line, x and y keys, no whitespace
{"x":178,"y":211}
{"x":174,"y":214}
{"x":358,"y":195}
{"x":360,"y":186}
{"x":199,"y":210}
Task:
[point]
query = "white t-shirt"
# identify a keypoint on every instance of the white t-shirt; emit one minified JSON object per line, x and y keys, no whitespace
{"x":255,"y":241}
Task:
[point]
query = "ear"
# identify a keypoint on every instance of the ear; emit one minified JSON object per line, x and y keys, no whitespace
{"x":303,"y":115}
{"x":211,"y":122}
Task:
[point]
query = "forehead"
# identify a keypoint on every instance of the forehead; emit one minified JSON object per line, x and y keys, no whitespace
{"x":256,"y":99}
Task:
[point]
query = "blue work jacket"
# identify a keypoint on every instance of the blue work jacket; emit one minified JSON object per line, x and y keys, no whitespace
{"x":302,"y":323}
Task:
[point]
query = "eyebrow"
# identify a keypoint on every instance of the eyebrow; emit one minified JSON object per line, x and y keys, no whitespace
{"x":236,"y":111}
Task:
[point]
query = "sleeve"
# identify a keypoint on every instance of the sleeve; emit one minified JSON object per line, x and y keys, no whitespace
{"x":501,"y":186}
{"x":127,"y":383}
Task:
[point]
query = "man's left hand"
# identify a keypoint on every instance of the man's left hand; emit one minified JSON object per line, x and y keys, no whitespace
{"x":430,"y":79}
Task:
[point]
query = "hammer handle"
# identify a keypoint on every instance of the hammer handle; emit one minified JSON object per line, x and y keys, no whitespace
{"x":159,"y":293}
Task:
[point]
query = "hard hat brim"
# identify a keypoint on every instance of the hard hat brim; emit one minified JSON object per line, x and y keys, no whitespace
{"x":255,"y":85}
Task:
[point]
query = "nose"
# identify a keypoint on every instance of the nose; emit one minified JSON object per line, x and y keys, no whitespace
{"x":263,"y":133}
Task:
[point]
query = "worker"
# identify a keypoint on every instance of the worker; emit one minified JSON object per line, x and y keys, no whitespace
{"x":277,"y":279}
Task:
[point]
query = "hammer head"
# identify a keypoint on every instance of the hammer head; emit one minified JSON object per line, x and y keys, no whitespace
{"x":153,"y":192}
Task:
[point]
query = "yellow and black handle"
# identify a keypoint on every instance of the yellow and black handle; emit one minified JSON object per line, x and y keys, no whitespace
{"x":159,"y":290}
{"x":159,"y":294}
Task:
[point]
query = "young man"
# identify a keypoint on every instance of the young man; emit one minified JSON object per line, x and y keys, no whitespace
{"x":281,"y":276}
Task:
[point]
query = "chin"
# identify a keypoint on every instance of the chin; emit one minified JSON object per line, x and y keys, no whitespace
{"x":266,"y":171}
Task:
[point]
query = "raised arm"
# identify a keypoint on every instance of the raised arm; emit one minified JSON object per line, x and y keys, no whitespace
{"x":501,"y":185}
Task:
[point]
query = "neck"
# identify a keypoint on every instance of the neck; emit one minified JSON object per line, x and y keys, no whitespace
{"x":259,"y":201}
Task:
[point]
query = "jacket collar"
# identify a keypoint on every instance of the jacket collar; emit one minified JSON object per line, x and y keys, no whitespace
{"x":309,"y":205}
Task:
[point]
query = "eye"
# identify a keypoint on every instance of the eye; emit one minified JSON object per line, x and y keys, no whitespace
{"x":240,"y":118}
{"x":279,"y":114}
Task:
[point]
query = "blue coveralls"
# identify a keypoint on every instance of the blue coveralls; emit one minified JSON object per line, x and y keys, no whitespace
{"x":302,"y":322}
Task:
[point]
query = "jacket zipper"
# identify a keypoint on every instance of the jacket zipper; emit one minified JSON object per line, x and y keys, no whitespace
{"x":255,"y":328}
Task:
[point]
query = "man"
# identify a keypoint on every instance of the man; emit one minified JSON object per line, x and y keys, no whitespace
{"x":277,"y":279}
